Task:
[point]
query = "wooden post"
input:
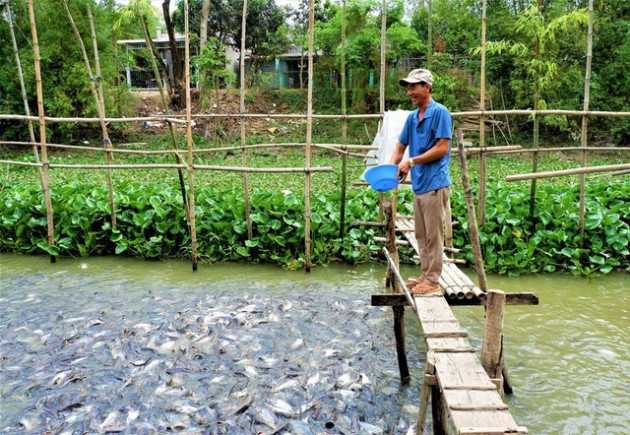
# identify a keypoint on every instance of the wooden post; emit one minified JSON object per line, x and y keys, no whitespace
{"x":470,"y":207}
{"x":242,"y":108}
{"x":309,"y":138}
{"x":587,"y":86}
{"x":42,"y":131}
{"x":401,"y":349}
{"x":425,"y":392}
{"x":482,"y":123}
{"x":344,"y":128}
{"x":191,"y":181}
{"x":439,"y":411}
{"x":389,"y":208}
{"x":492,"y":348}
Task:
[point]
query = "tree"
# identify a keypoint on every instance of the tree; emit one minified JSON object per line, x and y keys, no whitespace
{"x":66,"y":86}
{"x":264,"y":25}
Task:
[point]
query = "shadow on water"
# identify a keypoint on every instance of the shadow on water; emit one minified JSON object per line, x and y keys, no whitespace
{"x":122,"y":345}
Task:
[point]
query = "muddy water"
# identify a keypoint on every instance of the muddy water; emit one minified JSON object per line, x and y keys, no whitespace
{"x":109,"y":344}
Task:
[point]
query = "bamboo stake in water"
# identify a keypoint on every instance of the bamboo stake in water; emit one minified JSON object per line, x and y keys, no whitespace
{"x":242,"y":108}
{"x":344,"y":128}
{"x":532,"y":197}
{"x":309,"y":139}
{"x":482,"y":126}
{"x":99,"y":109}
{"x":42,"y":131}
{"x":27,"y":110}
{"x":472,"y":222}
{"x":587,"y":86}
{"x":191,"y":181}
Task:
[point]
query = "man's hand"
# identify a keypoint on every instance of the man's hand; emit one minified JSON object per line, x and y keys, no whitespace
{"x":403,"y":170}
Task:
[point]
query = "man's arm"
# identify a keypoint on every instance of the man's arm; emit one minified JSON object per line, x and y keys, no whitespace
{"x":439,"y":150}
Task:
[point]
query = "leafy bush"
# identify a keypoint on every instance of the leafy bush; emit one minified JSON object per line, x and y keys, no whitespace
{"x":151,"y":224}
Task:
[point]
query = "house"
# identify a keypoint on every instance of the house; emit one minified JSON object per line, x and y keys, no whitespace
{"x":284,"y":70}
{"x":138,"y":70}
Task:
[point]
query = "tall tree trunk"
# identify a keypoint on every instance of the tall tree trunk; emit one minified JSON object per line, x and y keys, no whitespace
{"x":203,"y":26}
{"x":177,"y":79}
{"x":203,"y":29}
{"x":155,"y":55}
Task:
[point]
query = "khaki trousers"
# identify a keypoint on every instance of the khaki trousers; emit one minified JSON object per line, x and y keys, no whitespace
{"x":429,"y":210}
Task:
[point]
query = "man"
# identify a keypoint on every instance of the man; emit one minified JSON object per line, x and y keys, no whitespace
{"x":427,"y":133}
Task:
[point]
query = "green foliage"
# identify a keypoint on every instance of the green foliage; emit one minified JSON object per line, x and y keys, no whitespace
{"x":152,"y":224}
{"x":65,"y":81}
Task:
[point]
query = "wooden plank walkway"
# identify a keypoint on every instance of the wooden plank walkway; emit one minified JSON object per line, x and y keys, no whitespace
{"x":464,"y":390}
{"x":472,"y":400}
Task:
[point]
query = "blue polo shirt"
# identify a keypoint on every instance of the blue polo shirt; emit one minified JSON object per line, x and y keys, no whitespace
{"x":421,"y":136}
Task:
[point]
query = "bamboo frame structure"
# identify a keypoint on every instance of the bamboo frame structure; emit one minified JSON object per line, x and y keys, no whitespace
{"x":309,"y":116}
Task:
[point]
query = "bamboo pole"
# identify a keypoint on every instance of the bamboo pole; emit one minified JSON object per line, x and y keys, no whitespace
{"x":309,"y":139}
{"x":173,"y":117}
{"x":532,"y":197}
{"x":482,"y":126}
{"x":242,"y":110}
{"x":587,"y":89}
{"x":165,"y":109}
{"x":344,"y":127}
{"x":430,"y":34}
{"x":42,"y":131}
{"x":511,"y":149}
{"x":99,"y":108}
{"x":470,"y":207}
{"x":189,"y":141}
{"x":97,"y":62}
{"x":27,"y":110}
{"x":381,"y":100}
{"x":171,"y":166}
{"x":565,"y":172}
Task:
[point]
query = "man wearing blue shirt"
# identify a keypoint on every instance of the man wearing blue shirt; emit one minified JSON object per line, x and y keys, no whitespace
{"x":427,"y":133}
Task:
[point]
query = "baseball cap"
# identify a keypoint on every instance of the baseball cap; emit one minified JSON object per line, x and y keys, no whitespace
{"x":417,"y":76}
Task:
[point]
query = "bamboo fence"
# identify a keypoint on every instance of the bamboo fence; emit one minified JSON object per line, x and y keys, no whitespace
{"x":343,"y":148}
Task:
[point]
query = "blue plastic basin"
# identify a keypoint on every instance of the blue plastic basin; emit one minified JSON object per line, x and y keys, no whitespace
{"x":383,"y":177}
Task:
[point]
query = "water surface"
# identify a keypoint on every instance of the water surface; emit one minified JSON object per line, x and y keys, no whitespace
{"x":121,"y":344}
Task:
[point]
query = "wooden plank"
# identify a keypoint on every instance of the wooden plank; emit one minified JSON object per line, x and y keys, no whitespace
{"x":452,"y":342}
{"x":433,"y":309}
{"x":474,"y":397}
{"x":460,"y":369}
{"x":517,"y":430}
{"x":472,"y":420}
